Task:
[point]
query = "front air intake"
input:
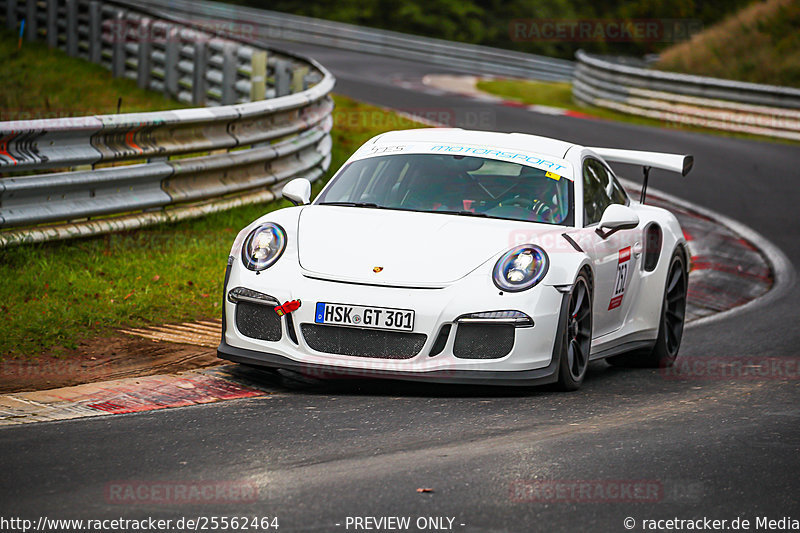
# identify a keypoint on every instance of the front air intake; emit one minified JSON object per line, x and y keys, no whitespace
{"x":258,"y":321}
{"x":483,"y":341}
{"x":363,"y":342}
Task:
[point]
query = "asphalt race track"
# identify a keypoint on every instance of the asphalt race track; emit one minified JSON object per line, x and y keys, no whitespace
{"x":702,"y":444}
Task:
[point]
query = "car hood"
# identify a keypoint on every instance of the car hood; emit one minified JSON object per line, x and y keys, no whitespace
{"x":407,"y":248}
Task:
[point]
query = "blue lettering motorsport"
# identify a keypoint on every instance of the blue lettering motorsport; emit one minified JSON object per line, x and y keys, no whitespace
{"x":509,"y":155}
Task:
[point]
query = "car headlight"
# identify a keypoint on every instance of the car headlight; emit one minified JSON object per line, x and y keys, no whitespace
{"x":263,"y":246}
{"x":520,"y":268}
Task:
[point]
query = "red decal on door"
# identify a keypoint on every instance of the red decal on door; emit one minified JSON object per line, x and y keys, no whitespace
{"x":622,"y":278}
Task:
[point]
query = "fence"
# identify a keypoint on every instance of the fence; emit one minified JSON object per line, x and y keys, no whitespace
{"x":233,"y":152}
{"x":695,"y":100}
{"x":267,"y":26}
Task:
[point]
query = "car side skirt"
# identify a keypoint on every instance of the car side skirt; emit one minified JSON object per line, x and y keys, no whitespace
{"x":622,"y":348}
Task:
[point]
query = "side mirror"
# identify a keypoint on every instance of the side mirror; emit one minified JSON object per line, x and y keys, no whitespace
{"x":298,"y":191}
{"x":617,"y":217}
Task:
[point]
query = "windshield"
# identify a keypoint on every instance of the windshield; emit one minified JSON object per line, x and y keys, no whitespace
{"x":453,"y":184}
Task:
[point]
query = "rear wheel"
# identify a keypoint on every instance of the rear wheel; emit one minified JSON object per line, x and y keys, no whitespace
{"x":578,"y":336}
{"x":670,"y":329}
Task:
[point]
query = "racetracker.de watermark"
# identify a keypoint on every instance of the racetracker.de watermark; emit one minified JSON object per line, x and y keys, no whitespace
{"x":570,"y":491}
{"x":733,"y":368}
{"x":9,"y":115}
{"x":180,"y":492}
{"x":603,"y":30}
{"x":555,"y":241}
{"x":135,"y":31}
{"x":587,"y":491}
{"x":745,"y":121}
{"x":449,"y":117}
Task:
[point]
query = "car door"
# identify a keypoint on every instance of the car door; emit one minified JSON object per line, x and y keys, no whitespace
{"x":615,"y":256}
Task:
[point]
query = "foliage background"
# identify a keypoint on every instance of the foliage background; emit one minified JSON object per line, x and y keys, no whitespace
{"x":487,"y":22}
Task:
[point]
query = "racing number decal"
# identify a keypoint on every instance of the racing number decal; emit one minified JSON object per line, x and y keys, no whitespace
{"x":384,"y":149}
{"x":622,"y":278}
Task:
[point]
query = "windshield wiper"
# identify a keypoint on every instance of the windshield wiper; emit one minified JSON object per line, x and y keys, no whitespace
{"x":462,"y":213}
{"x":353,"y":204}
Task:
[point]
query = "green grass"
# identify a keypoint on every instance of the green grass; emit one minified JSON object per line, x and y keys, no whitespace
{"x":559,"y":94}
{"x":53,"y":295}
{"x":37,"y":82}
{"x":759,"y":44}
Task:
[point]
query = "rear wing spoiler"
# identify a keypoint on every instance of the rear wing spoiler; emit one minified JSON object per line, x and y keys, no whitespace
{"x":681,"y":164}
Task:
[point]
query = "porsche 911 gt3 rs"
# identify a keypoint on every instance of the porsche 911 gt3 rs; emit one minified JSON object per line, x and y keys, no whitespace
{"x":461,"y":256}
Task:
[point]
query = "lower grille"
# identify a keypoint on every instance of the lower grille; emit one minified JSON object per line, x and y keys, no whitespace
{"x":258,"y":321}
{"x":363,"y":342}
{"x":483,"y":341}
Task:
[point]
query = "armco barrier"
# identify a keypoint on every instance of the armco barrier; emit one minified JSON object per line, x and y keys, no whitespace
{"x":113,"y":172}
{"x":696,"y":100}
{"x":190,"y":64}
{"x":264,"y":26}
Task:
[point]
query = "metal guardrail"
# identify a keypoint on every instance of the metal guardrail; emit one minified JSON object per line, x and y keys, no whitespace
{"x":265,"y":26}
{"x":158,"y":54}
{"x":121,"y":171}
{"x":685,"y":99}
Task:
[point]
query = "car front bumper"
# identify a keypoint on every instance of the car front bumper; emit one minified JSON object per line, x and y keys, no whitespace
{"x":532,"y":360}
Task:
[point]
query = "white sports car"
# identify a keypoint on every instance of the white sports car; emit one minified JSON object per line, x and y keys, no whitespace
{"x":461,"y":256}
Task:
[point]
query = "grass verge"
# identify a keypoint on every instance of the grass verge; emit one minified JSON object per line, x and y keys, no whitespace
{"x":759,"y":44}
{"x":39,"y":82}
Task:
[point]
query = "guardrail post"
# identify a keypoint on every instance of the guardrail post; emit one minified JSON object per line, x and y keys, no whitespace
{"x":171,"y":61}
{"x":143,"y":66}
{"x":299,"y":79}
{"x":199,"y":67}
{"x":11,"y":14}
{"x":52,"y":24}
{"x":119,"y":34}
{"x":72,"y":27}
{"x":95,"y":32}
{"x":31,"y":21}
{"x":282,"y":78}
{"x":258,"y":75}
{"x":229,"y":73}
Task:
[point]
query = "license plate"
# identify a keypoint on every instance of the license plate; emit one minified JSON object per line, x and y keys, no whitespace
{"x":364,"y":317}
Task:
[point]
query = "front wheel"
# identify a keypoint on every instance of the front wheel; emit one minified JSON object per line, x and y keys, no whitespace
{"x":670,"y":328}
{"x":578,"y":336}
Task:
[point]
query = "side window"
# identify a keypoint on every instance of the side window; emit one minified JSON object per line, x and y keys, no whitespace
{"x":595,"y":197}
{"x":616,"y":192}
{"x":600,"y":189}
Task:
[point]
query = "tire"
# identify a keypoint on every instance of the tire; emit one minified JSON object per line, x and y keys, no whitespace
{"x":670,"y":326}
{"x":577,"y":336}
